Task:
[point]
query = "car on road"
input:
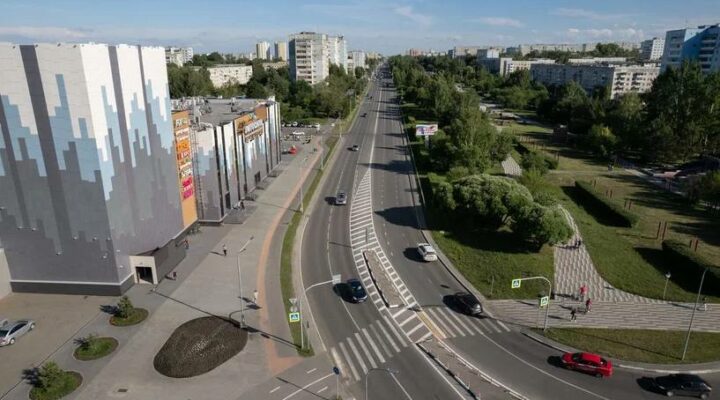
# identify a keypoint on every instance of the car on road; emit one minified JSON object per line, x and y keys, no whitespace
{"x":357,"y":291}
{"x":468,"y":304}
{"x":589,"y":363}
{"x":340,"y":198}
{"x":427,"y":252}
{"x":10,"y":332}
{"x":355,"y":148}
{"x":682,"y":385}
{"x":364,"y":114}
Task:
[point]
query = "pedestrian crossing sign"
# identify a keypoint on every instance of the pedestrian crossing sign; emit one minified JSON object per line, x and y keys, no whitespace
{"x":516,"y":283}
{"x":294,"y":316}
{"x":544,"y":301}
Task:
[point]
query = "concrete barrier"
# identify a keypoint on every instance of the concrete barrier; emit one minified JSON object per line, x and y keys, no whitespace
{"x":387,"y":289}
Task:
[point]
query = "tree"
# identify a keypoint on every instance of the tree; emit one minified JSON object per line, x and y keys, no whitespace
{"x":124,"y":307}
{"x":624,"y":118}
{"x":255,"y":89}
{"x":359,"y":72}
{"x":541,"y":225}
{"x":487,"y":199}
{"x":50,"y":375}
{"x":601,"y":141}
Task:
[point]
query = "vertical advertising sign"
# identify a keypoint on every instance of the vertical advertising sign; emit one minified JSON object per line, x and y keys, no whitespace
{"x":186,"y":181}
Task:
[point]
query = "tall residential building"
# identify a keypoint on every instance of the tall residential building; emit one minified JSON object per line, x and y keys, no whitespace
{"x":462,"y":51}
{"x":281,"y":51}
{"x":701,"y":44}
{"x":652,"y":49}
{"x":263,"y":51}
{"x":337,"y":51}
{"x":619,"y":79}
{"x":223,"y":74}
{"x":92,"y":198}
{"x":356,"y":58}
{"x":174,"y":55}
{"x":308,"y":57}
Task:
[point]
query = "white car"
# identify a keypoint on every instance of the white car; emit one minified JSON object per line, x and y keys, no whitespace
{"x":427,"y":252}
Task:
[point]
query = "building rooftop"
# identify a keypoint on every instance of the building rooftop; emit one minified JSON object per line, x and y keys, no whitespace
{"x":215,"y":111}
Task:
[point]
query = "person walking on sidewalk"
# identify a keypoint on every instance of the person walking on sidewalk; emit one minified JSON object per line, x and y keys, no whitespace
{"x":703,"y":307}
{"x":225,"y":250}
{"x":174,"y":275}
{"x":588,"y":303}
{"x":255,"y":296}
{"x":583,"y":292}
{"x":242,"y":205}
{"x":573,"y":314}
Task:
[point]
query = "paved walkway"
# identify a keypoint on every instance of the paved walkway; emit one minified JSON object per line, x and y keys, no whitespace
{"x":511,"y":167}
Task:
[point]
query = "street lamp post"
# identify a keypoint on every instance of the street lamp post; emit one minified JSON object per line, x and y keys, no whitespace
{"x":240,"y":285}
{"x":667,"y":278}
{"x":388,"y":370}
{"x":692,"y":318}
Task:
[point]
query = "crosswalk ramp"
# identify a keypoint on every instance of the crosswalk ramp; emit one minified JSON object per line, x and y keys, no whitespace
{"x":368,"y":348}
{"x":450,"y":324}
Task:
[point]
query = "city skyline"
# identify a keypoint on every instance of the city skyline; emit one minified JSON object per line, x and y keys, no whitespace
{"x":399,"y":26}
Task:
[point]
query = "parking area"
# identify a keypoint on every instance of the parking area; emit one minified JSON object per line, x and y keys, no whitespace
{"x":57,"y":318}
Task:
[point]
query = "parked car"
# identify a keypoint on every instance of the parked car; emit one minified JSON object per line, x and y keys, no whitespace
{"x":682,"y":385}
{"x":340,"y":198}
{"x":357,"y":290}
{"x":10,"y":332}
{"x":294,"y":124}
{"x":427,"y":252}
{"x":589,"y":363}
{"x":468,"y":304}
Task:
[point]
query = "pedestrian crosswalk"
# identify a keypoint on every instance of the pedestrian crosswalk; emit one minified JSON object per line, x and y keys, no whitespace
{"x":371,"y":347}
{"x":452,"y":324}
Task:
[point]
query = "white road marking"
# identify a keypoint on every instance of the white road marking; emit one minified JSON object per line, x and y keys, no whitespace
{"x":382,"y":342}
{"x":394,"y":331}
{"x":407,"y":320}
{"x":357,"y":355}
{"x":306,"y":386}
{"x":349,"y":362}
{"x":418,"y":326}
{"x":310,"y":371}
{"x":459,"y":319}
{"x":324,"y":388}
{"x":366,"y":351}
{"x":275,"y":390}
{"x":374,"y":346}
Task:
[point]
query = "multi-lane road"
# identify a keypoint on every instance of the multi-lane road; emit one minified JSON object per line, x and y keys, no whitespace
{"x":381,"y":215}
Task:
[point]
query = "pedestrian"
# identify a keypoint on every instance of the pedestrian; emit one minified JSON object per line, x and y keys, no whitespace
{"x":187,"y":244}
{"x":579,"y":243}
{"x":224,"y":250}
{"x":583,"y":292}
{"x":588,"y":303}
{"x":255,"y":296}
{"x":704,"y":303}
{"x":174,"y":275}
{"x":242,"y":205}
{"x":573,"y":314}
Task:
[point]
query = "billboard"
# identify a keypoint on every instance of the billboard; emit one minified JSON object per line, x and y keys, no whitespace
{"x":183,"y":149}
{"x":425,"y":130}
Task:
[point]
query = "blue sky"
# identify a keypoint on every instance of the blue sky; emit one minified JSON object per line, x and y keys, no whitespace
{"x":390,"y":26}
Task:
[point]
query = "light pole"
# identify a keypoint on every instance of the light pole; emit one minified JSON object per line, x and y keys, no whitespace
{"x":390,"y":371}
{"x":692,"y":318}
{"x":240,"y":285}
{"x":667,"y":278}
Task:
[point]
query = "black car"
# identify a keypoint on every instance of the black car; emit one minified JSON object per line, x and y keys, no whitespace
{"x":468,"y":304}
{"x":357,"y":290}
{"x":683,"y":385}
{"x":364,"y":114}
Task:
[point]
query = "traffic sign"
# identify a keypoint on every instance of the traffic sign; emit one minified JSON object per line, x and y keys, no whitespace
{"x":516,"y":283}
{"x":292,"y":300}
{"x":337,"y":278}
{"x":544,"y":301}
{"x":294,"y":317}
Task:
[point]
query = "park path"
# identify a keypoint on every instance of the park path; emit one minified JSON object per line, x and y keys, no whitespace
{"x":511,"y":167}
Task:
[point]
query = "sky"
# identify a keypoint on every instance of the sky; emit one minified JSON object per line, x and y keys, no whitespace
{"x":385,"y":26}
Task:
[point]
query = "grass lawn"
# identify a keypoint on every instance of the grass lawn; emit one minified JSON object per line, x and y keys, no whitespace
{"x":95,"y":348}
{"x":137,"y":315}
{"x":648,"y":346}
{"x":66,"y":384}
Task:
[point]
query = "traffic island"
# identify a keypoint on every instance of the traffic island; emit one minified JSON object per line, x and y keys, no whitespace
{"x":50,"y":382}
{"x":387,"y":289}
{"x":199,"y":346}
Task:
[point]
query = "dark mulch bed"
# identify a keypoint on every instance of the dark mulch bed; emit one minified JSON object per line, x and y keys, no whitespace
{"x":199,"y":346}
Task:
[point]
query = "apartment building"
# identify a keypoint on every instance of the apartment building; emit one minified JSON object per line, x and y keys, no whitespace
{"x":178,"y":55}
{"x":223,"y":74}
{"x":308,"y":57}
{"x":462,"y":51}
{"x":356,"y":58}
{"x":337,"y":51}
{"x":281,"y":51}
{"x":652,"y":49}
{"x":619,"y":79}
{"x":91,"y":201}
{"x":263,"y":51}
{"x":701,"y":44}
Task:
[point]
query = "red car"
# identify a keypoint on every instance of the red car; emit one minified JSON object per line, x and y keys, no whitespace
{"x":589,"y":363}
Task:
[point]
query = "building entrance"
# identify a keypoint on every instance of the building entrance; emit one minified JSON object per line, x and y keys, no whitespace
{"x":144,"y":275}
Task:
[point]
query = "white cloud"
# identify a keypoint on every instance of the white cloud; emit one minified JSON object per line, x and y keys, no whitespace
{"x":407,"y":11}
{"x":500,"y":21}
{"x":630,"y":34}
{"x":581,"y":13}
{"x":51,"y":33}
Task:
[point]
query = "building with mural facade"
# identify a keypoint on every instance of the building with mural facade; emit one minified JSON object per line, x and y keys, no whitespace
{"x":93,"y":192}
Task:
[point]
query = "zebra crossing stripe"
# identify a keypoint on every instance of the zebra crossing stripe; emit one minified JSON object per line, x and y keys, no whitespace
{"x":407,"y":320}
{"x":357,"y":355}
{"x":387,"y":335}
{"x":392,"y":328}
{"x":450,"y":325}
{"x":374,"y":346}
{"x":382,"y":342}
{"x":503,"y":325}
{"x":365,"y":350}
{"x":458,"y":319}
{"x":402,"y":310}
{"x":349,"y":362}
{"x":418,"y":326}
{"x":433,"y":318}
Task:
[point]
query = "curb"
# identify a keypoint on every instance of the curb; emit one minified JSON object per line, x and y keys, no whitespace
{"x":624,"y":364}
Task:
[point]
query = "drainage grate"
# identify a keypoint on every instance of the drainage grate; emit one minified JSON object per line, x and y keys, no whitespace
{"x":122,"y":390}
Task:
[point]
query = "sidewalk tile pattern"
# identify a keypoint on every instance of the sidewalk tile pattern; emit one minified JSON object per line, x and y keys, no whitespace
{"x":511,"y":167}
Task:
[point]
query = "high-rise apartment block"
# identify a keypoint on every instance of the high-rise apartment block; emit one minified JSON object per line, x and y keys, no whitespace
{"x":178,"y":55}
{"x":356,"y":58}
{"x":263,"y":51}
{"x":223,"y":74}
{"x":94,"y":190}
{"x":652,"y":49}
{"x":701,"y":44}
{"x":309,"y":59}
{"x":337,"y":51}
{"x":281,"y":51}
{"x":619,"y":79}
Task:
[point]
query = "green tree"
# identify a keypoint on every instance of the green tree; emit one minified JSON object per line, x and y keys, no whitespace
{"x":601,"y":141}
{"x":624,"y":118}
{"x":124,"y":307}
{"x":255,"y":89}
{"x":541,"y":225}
{"x":50,"y":375}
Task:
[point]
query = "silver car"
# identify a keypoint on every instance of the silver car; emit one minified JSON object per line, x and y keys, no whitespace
{"x":10,"y":332}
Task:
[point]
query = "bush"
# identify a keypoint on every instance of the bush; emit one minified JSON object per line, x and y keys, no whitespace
{"x":93,"y":347}
{"x":53,"y":383}
{"x":124,"y":307}
{"x":540,"y":225}
{"x":687,"y":264}
{"x":615,"y":214}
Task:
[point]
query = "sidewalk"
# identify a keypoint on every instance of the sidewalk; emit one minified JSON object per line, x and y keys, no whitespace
{"x":207,"y":284}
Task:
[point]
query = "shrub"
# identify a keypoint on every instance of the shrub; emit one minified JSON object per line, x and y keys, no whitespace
{"x":53,"y":383}
{"x":540,"y":224}
{"x":687,"y":263}
{"x":615,"y":214}
{"x":124,"y":307}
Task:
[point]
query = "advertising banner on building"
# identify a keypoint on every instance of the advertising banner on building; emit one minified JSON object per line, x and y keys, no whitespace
{"x":183,"y":149}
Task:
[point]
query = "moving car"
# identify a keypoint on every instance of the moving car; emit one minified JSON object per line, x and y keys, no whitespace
{"x":427,"y":252}
{"x":340,"y":198}
{"x":10,"y":332}
{"x":682,"y":385}
{"x":357,"y":290}
{"x":355,"y":148}
{"x":364,"y":114}
{"x":468,"y":304}
{"x":589,"y":363}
